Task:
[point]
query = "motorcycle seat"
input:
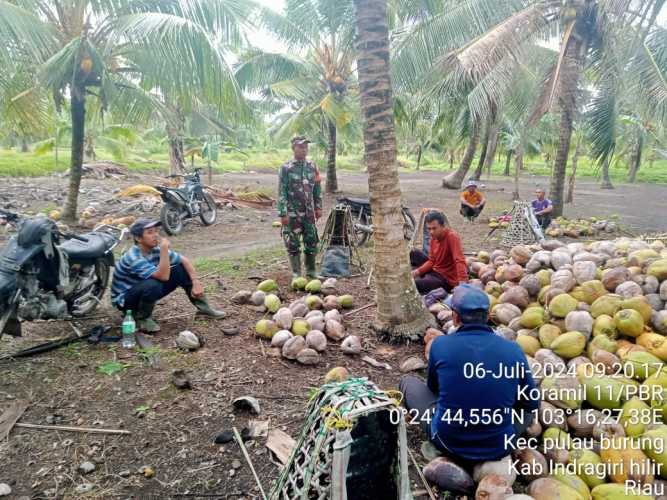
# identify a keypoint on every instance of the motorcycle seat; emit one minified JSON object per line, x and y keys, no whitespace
{"x":96,"y":246}
{"x":359,"y":201}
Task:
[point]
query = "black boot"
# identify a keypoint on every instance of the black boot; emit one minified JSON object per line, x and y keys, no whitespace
{"x":295,"y":264}
{"x":311,"y":265}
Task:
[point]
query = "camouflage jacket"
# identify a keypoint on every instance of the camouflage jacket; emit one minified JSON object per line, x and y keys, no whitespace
{"x":299,"y":190}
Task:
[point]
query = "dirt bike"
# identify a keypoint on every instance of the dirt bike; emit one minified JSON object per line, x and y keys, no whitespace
{"x":186,"y":202}
{"x":360,"y":209}
{"x":48,"y":274}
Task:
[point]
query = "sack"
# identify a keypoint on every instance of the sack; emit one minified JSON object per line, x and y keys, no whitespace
{"x":336,"y":262}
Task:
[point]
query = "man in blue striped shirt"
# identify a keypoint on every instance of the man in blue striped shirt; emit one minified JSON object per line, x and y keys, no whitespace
{"x":149,"y":271}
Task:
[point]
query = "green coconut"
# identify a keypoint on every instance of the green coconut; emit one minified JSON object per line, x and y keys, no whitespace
{"x":268,"y":286}
{"x":563,"y":304}
{"x":604,"y":325}
{"x":299,"y":283}
{"x":629,"y":322}
{"x":314,"y":286}
{"x":272,"y":303}
{"x":533,"y":317}
{"x":607,"y":304}
{"x":266,"y":328}
{"x":346,"y":301}
{"x":300,"y":327}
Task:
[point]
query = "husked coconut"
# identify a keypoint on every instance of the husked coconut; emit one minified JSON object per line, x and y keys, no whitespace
{"x":493,"y":487}
{"x":335,"y":330}
{"x":293,"y":346}
{"x":584,"y":271}
{"x":316,"y":340}
{"x":257,"y":298}
{"x":279,"y":338}
{"x":628,"y":289}
{"x":330,"y":302}
{"x":521,"y":254}
{"x":299,"y":309}
{"x":516,"y":295}
{"x":563,"y":280}
{"x":308,"y":356}
{"x":335,"y":315}
{"x":283,"y":318}
{"x":314,"y":313}
{"x":651,"y":285}
{"x":316,"y":322}
{"x":504,"y":313}
{"x":531,"y":284}
{"x":351,"y":345}
{"x":580,"y":321}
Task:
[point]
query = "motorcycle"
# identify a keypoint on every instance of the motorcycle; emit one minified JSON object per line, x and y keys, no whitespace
{"x":360,"y":209}
{"x":48,"y":274}
{"x":186,"y":202}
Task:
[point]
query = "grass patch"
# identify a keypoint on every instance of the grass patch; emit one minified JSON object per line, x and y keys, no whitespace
{"x":17,"y":164}
{"x":232,"y":266}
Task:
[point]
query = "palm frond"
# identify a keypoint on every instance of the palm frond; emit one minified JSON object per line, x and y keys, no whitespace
{"x":601,"y":120}
{"x":22,"y":34}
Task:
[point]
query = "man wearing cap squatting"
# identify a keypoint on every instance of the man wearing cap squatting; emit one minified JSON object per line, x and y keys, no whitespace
{"x":472,"y":201}
{"x":299,"y":207}
{"x":149,"y":271}
{"x":475,"y":379}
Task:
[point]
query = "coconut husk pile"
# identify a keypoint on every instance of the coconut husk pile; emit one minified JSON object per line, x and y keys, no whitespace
{"x":102,"y":169}
{"x":578,"y":228}
{"x":592,"y":322}
{"x":227,"y":197}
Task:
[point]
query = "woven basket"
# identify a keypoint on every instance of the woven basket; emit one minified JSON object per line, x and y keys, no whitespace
{"x":524,"y":228}
{"x":353,"y":446}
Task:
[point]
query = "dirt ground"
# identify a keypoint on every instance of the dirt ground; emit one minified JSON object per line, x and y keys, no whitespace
{"x":173,"y":430}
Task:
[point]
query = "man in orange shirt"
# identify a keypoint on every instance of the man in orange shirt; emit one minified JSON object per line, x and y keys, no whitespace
{"x":445,"y":266}
{"x":472,"y":201}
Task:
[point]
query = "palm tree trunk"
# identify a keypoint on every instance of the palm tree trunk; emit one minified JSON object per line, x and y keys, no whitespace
{"x":332,"y":179}
{"x":455,"y":179}
{"x":493,"y":146}
{"x":78,"y":114}
{"x":518,"y":167}
{"x":419,"y":156}
{"x":508,"y":160}
{"x":176,"y":157}
{"x":636,"y":159}
{"x":482,"y":155}
{"x":606,"y":180}
{"x":400,"y":314}
{"x":572,"y":69}
{"x":575,"y":159}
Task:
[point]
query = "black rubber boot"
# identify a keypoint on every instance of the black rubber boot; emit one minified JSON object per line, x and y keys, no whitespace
{"x":295,"y":264}
{"x":311,"y":265}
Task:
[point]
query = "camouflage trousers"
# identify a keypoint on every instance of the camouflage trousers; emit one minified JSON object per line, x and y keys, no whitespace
{"x":295,"y":232}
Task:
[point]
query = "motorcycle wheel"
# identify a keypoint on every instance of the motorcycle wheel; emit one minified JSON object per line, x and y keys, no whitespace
{"x":102,"y":272}
{"x":361,"y":236}
{"x":208,"y":212}
{"x":171,"y":219}
{"x":409,"y":225}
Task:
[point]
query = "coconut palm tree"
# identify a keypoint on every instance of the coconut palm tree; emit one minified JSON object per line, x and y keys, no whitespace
{"x":315,"y":80}
{"x":400,"y":310}
{"x":311,"y":102}
{"x":123,"y":49}
{"x":497,"y":35}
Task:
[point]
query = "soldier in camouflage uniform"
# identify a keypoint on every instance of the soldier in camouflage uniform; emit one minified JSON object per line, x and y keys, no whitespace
{"x":300,"y":206}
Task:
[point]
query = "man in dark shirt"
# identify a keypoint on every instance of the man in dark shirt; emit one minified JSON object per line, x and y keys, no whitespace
{"x":475,"y":381}
{"x":445,"y":265}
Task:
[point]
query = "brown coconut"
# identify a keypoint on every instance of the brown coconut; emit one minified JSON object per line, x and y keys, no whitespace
{"x":612,"y":278}
{"x":532,"y":462}
{"x":516,"y":295}
{"x":316,"y":340}
{"x":493,"y":487}
{"x":308,"y":356}
{"x":504,"y":313}
{"x":449,"y":476}
{"x":334,"y":330}
{"x":521,"y":254}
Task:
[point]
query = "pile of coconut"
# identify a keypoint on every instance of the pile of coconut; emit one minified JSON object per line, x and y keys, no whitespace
{"x":591,"y":320}
{"x":303,"y":329}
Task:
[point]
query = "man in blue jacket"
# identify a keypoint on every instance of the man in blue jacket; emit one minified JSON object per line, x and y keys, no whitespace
{"x":480,"y":394}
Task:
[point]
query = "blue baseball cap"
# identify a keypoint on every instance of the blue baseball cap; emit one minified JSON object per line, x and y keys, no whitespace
{"x":467,"y":298}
